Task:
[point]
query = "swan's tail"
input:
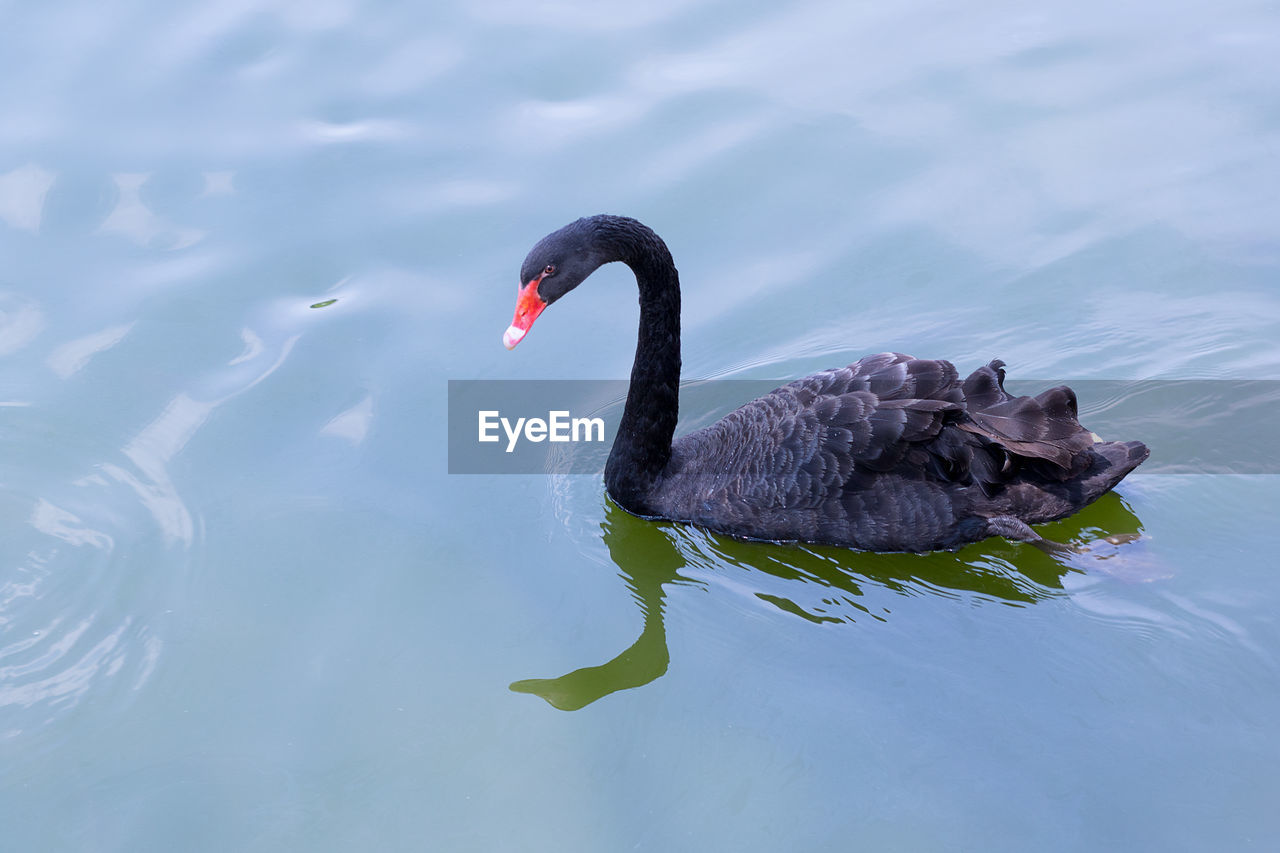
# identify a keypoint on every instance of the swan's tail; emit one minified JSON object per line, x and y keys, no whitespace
{"x":1053,"y":450}
{"x":1113,"y":460}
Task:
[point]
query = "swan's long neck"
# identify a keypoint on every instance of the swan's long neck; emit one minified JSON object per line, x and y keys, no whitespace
{"x":642,"y":447}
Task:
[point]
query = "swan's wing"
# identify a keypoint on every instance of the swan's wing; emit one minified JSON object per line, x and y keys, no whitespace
{"x":1045,"y":426}
{"x":837,"y":431}
{"x":810,"y":439}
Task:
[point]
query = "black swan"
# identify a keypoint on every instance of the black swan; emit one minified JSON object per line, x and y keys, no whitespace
{"x":891,"y":453}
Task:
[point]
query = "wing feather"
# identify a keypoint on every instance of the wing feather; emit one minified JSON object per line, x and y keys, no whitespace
{"x":834,"y":432}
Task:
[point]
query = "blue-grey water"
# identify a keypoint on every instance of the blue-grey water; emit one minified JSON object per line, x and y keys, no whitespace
{"x":245,"y":245}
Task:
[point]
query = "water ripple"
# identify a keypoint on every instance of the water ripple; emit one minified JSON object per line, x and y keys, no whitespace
{"x":98,"y":541}
{"x":82,"y":606}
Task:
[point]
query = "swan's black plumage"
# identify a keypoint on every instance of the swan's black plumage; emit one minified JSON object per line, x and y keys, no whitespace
{"x":891,"y":453}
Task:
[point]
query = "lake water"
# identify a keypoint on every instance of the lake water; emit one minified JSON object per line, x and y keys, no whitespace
{"x":246,"y":245}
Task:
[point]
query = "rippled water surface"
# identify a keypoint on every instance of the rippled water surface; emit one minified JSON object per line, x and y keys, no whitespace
{"x":245,"y":246}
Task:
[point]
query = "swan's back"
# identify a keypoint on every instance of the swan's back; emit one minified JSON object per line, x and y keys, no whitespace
{"x":889,"y":453}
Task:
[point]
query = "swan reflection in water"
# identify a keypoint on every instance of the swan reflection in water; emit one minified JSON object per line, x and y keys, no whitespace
{"x":651,"y":554}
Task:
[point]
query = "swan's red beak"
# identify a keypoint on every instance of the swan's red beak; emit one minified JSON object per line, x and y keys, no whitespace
{"x":528,"y":306}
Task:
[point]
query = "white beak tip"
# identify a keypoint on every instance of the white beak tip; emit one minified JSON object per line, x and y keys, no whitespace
{"x":512,"y":336}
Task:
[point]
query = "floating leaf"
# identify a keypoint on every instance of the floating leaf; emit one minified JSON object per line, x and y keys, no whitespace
{"x":324,"y":304}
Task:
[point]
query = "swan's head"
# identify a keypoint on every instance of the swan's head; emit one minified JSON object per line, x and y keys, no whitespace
{"x":557,"y":264}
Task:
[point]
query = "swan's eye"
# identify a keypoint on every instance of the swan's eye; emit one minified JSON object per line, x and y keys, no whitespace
{"x":549,"y":269}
